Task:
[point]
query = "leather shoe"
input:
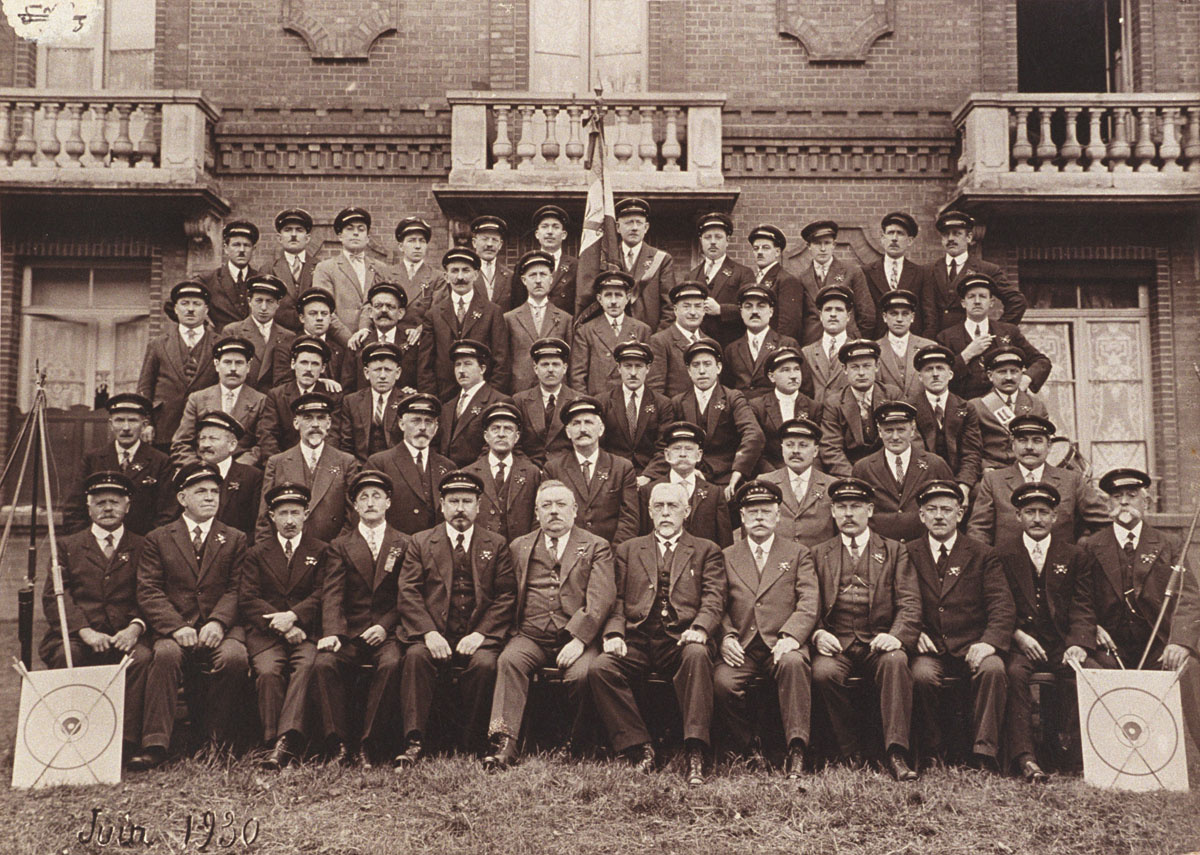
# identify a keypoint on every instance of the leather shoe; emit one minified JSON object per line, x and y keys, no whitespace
{"x":1032,"y":773}
{"x":642,"y":758}
{"x":794,"y":765}
{"x":148,"y":759}
{"x":984,"y":763}
{"x":695,"y":766}
{"x":899,"y":767}
{"x":281,"y":755}
{"x":340,"y":755}
{"x":504,"y":755}
{"x":413,"y":751}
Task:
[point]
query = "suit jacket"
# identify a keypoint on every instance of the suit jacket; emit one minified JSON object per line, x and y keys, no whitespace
{"x":502,"y":294}
{"x":240,"y":492}
{"x":783,"y":600}
{"x":807,"y":518}
{"x":795,"y":311}
{"x":153,"y":495}
{"x":98,"y":592}
{"x":723,"y":288}
{"x":653,"y":274}
{"x":270,"y":583}
{"x":893,"y":598}
{"x":607,"y":503}
{"x":164,"y":381}
{"x":461,"y":437}
{"x":278,"y":432}
{"x":522,"y":334}
{"x":415,"y":506}
{"x":562,"y":286}
{"x":973,"y":603}
{"x":895,"y":514}
{"x":770,"y":419}
{"x":748,"y":375}
{"x":1069,"y":574}
{"x":540,"y":441}
{"x":970,"y":378}
{"x":994,"y":519}
{"x":483,"y":322}
{"x":640,"y":444}
{"x":733,"y":440}
{"x":913,"y":278}
{"x":1157,"y":552}
{"x":593,"y":368}
{"x":828,"y":378}
{"x":900,"y":372}
{"x":357,"y":414}
{"x":588,"y":586}
{"x":336,"y":276}
{"x":287,"y":315}
{"x":708,"y":511}
{"x":668,"y":374}
{"x":247,"y":409}
{"x":175,"y":590}
{"x":941,"y":307}
{"x":960,"y":431}
{"x":423,"y":289}
{"x":428,"y":571}
{"x":360,"y":591}
{"x":263,"y":374}
{"x":696,"y":591}
{"x":228,"y":301}
{"x":862,"y":316}
{"x":330,"y":510}
{"x":843,"y":438}
{"x":994,"y":416}
{"x":508,"y":511}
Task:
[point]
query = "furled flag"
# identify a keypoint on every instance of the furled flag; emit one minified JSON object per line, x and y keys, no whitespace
{"x":598,"y":249}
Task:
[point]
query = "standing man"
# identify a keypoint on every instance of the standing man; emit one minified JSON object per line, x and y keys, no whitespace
{"x":462,"y":416}
{"x":967,"y":623}
{"x":227,"y":284}
{"x":633,"y":414}
{"x":535,"y":319}
{"x":389,"y":324}
{"x":349,"y":275}
{"x":821,"y":356}
{"x":217,"y":437}
{"x":771,"y":610}
{"x":488,"y":234}
{"x":795,"y":313}
{"x":652,"y":269}
{"x":1004,"y":402}
{"x":309,"y":357}
{"x":369,"y":421}
{"x":723,"y":277}
{"x":550,"y":224}
{"x":846,"y":419}
{"x":946,"y":425}
{"x":510,"y":481}
{"x":898,"y":345}
{"x":940,"y":302}
{"x":270,"y":339}
{"x":414,"y":466}
{"x":231,"y":395}
{"x":785,"y":371}
{"x":542,"y":433}
{"x":294,"y":264}
{"x":827,"y":270}
{"x":670,"y":599}
{"x":805,"y":512}
{"x":668,"y":371}
{"x":421,"y":282}
{"x":746,"y":358}
{"x":594,"y":366}
{"x":317,"y":318}
{"x":894,"y":271}
{"x":565,"y":588}
{"x":708,"y":512}
{"x":457,"y":598}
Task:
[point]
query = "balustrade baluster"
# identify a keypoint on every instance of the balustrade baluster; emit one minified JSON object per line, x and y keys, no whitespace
{"x":74,"y":147}
{"x":622,"y":150}
{"x":647,"y":147}
{"x":525,"y":146}
{"x":1095,"y":145}
{"x":1170,"y":149}
{"x":1071,"y":149}
{"x":1191,"y":147}
{"x":122,"y":146}
{"x":147,"y":147}
{"x":49,"y":145}
{"x":6,"y":140}
{"x":1022,"y":149}
{"x":550,"y":146}
{"x":1118,"y":144}
{"x":502,"y":148}
{"x":574,"y":147}
{"x":1047,"y":151}
{"x":671,"y":150}
{"x":1143,"y":148}
{"x":25,"y":147}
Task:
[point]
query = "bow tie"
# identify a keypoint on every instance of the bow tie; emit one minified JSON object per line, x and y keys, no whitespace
{"x":357,"y":256}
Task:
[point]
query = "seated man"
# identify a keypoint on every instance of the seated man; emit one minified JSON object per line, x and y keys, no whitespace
{"x":663,"y":619}
{"x":280,"y":606}
{"x":785,"y":370}
{"x":946,"y":425}
{"x":565,"y":590}
{"x":821,"y":356}
{"x":827,"y":269}
{"x":1051,"y":584}
{"x":634,"y":414}
{"x":414,"y":466}
{"x":805,"y":513}
{"x":231,"y":394}
{"x":708,"y":511}
{"x":542,"y":434}
{"x":461,"y":422}
{"x":968,"y":618}
{"x":899,"y":345}
{"x":847,"y":426}
{"x":1003,"y":403}
{"x":535,"y":319}
{"x":594,"y":368}
{"x":772,"y":607}
{"x":510,"y":481}
{"x":309,"y":357}
{"x":193,"y":616}
{"x":316,"y":307}
{"x":668,"y":369}
{"x":369,"y":422}
{"x":390,"y":324}
{"x":746,"y":357}
{"x":98,"y":567}
{"x":457,"y":599}
{"x":240,"y":484}
{"x":359,"y":614}
{"x":266,"y":293}
{"x":870,"y":614}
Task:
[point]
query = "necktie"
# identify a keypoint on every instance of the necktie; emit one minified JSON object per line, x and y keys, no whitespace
{"x":287,"y":550}
{"x":893,"y":278}
{"x":197,"y":540}
{"x":854,"y":551}
{"x":832,"y":351}
{"x":460,"y":549}
{"x":241,"y":276}
{"x":943,"y":560}
{"x":537,"y":318}
{"x":1009,"y":401}
{"x":109,"y":547}
{"x":461,"y":310}
{"x":189,"y":338}
{"x":760,"y":557}
{"x":420,"y":460}
{"x":373,"y":543}
{"x":953,"y":269}
{"x":616,"y":325}
{"x":631,"y":413}
{"x":295,"y":268}
{"x":549,"y":409}
{"x":978,"y":331}
{"x":1129,"y":547}
{"x":630,"y":257}
{"x":864,"y":410}
{"x":587,"y":471}
{"x":500,"y":474}
{"x":1038,"y":557}
{"x":462,"y":405}
{"x":1028,"y":477}
{"x":755,"y":345}
{"x":759,"y":274}
{"x":228,"y":405}
{"x":820,"y":271}
{"x":940,"y":414}
{"x":554,"y":548}
{"x":378,"y":417}
{"x":899,"y":469}
{"x":124,"y":458}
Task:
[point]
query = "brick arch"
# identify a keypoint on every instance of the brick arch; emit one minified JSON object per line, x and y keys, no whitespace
{"x":340,"y":31}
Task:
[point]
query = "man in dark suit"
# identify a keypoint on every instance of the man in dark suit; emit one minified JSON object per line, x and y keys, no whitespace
{"x":804,"y":514}
{"x":784,"y":402}
{"x":294,"y":264}
{"x":359,"y":615}
{"x":971,"y":340}
{"x":227,"y":284}
{"x":826,"y":270}
{"x":103,"y":622}
{"x":510,"y":481}
{"x":668,"y":373}
{"x":326,"y":471}
{"x":848,"y":429}
{"x":179,"y":361}
{"x":746,"y":357}
{"x":870,"y":615}
{"x":1051,"y":583}
{"x":147,"y":468}
{"x":465,"y":314}
{"x":535,"y":319}
{"x":1004,"y":401}
{"x":280,"y":606}
{"x":565,"y":588}
{"x":994,"y":520}
{"x":940,"y":301}
{"x":770,"y":613}
{"x":634,"y":414}
{"x":187,"y":588}
{"x":348,"y":276}
{"x":414,"y":466}
{"x":968,"y":618}
{"x":708,"y":511}
{"x":549,"y":225}
{"x":217,"y":437}
{"x":947,"y":426}
{"x":461,"y":425}
{"x":369,"y":421}
{"x":457,"y":598}
{"x":670,"y":599}
{"x":723,"y":277}
{"x":309,"y":357}
{"x":733,"y":440}
{"x":317,"y":315}
{"x":231,"y":394}
{"x":605,"y":486}
{"x":390,"y":324}
{"x":422,"y":282}
{"x":894,"y":271}
{"x":594,"y":369}
{"x":653,"y":270}
{"x":488,"y":234}
{"x":263,"y":331}
{"x":542,"y":434}
{"x":795,"y":313}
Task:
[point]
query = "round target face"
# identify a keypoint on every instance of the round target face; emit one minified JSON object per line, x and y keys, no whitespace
{"x":70,"y":727}
{"x":1140,"y":739}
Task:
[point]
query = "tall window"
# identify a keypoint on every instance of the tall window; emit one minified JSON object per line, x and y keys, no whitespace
{"x":576,"y":45}
{"x":1072,"y":46}
{"x":115,"y":53}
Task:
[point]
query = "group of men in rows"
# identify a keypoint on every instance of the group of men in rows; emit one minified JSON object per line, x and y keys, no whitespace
{"x":635,"y":475}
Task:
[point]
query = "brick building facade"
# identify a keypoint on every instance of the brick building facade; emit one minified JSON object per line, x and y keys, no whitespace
{"x":779,"y":111}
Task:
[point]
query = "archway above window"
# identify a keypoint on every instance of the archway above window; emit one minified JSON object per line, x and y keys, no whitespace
{"x":836,"y":30}
{"x":343,"y":30}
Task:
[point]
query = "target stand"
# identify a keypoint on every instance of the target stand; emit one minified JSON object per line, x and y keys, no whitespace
{"x":1131,"y":724}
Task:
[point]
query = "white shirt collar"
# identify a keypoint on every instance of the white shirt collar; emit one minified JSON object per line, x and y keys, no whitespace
{"x":557,"y":393}
{"x":132,"y":450}
{"x":765,"y":546}
{"x":1122,"y":534}
{"x":664,"y":544}
{"x":283,"y":542}
{"x":984,"y":326}
{"x":959,"y":260}
{"x":935,"y":547}
{"x":702,"y":398}
{"x":233,"y":271}
{"x":899,"y":342}
{"x":366,"y":530}
{"x":453,"y":534}
{"x":311,"y":453}
{"x":897,"y":263}
{"x":789,"y":398}
{"x":714,"y":265}
{"x":99,"y":533}
{"x":905,"y":456}
{"x":689,"y":482}
{"x":468,"y":394}
{"x":934,"y":400}
{"x":635,"y":393}
{"x":494,"y":461}
{"x":183,"y":332}
{"x":756,"y":339}
{"x":859,"y":542}
{"x":627,"y":250}
{"x":557,"y":257}
{"x":838,"y":340}
{"x":413,"y":451}
{"x":388,"y":336}
{"x":591,"y":459}
{"x":355,"y":258}
{"x":690,"y":336}
{"x":1037,"y":474}
{"x":411,"y":268}
{"x":763,"y":271}
{"x":558,"y":548}
{"x":1030,"y":544}
{"x":489,"y":266}
{"x":264,"y":329}
{"x":289,"y":257}
{"x":224,"y":465}
{"x":191,"y":524}
{"x":534,"y":305}
{"x":802,"y":480}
